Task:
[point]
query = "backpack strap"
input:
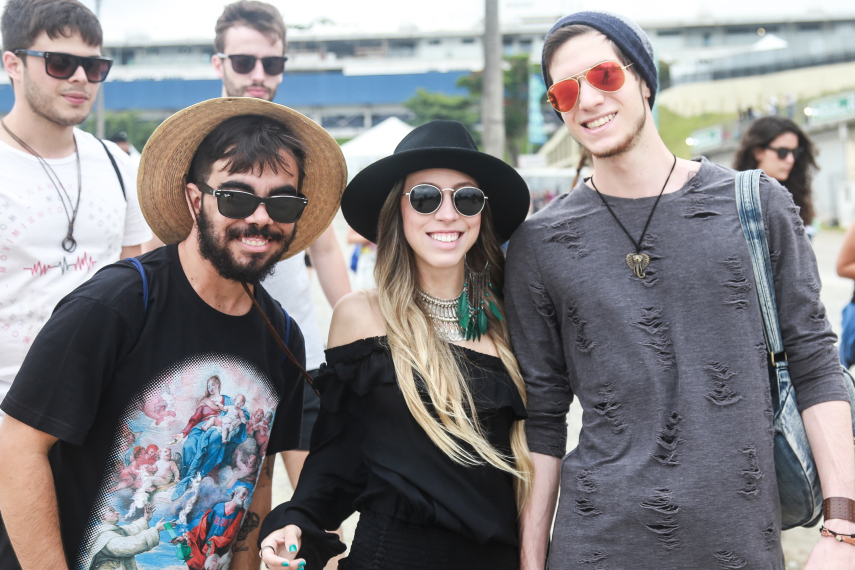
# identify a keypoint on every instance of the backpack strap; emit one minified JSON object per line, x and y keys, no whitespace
{"x":136,"y":263}
{"x":116,"y":168}
{"x":287,"y":328}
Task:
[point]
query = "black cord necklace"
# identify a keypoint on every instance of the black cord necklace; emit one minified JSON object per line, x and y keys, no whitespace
{"x":637,"y":261}
{"x":69,"y":244}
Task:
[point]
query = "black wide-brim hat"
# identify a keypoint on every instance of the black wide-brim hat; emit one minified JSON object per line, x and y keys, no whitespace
{"x":437,"y":144}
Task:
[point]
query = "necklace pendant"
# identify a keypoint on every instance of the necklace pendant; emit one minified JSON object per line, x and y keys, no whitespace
{"x":69,"y":244}
{"x":638,"y":262}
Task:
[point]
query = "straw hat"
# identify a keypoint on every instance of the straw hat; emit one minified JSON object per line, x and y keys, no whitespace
{"x":166,"y":160}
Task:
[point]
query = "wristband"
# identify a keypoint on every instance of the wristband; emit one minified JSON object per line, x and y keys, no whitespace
{"x":838,"y":508}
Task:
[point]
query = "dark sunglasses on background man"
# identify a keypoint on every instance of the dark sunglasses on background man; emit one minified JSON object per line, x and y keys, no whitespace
{"x":243,"y":64}
{"x":783,"y":152}
{"x":237,"y":205}
{"x":64,"y":65}
{"x":427,"y":198}
{"x":607,"y":76}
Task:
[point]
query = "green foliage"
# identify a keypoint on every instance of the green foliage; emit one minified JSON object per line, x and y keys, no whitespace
{"x":137,"y":129}
{"x":428,"y":106}
{"x":675,"y":129}
{"x":664,"y":75}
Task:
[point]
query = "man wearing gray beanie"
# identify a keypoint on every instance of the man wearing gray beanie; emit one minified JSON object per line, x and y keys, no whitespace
{"x":635,"y":293}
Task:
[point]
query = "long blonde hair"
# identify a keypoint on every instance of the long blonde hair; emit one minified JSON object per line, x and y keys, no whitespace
{"x":416,"y":347}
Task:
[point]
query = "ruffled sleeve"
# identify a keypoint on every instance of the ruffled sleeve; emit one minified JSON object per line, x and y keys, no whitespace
{"x":493,"y":387}
{"x":334,"y":474}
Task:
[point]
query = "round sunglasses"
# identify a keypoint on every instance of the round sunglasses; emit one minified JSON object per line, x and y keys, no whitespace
{"x":238,"y":205}
{"x":606,"y":76}
{"x":64,"y":65}
{"x":243,"y":64}
{"x":782,"y":152}
{"x":427,"y":198}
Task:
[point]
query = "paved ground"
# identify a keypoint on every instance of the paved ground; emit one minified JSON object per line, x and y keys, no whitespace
{"x":836,"y":293}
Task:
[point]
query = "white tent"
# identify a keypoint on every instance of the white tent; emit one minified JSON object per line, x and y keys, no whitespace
{"x":372,"y":145}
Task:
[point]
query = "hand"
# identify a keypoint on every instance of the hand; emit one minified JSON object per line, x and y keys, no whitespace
{"x":148,"y":511}
{"x":284,"y":545}
{"x":161,"y":526}
{"x":829,"y":554}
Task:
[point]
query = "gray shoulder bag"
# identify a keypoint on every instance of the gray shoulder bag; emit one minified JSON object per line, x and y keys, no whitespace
{"x":798,"y":481}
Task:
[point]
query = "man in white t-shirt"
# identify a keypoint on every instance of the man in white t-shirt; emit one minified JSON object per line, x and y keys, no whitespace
{"x":66,"y":208}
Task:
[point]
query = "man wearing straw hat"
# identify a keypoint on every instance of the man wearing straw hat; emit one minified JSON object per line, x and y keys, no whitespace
{"x":159,"y":349}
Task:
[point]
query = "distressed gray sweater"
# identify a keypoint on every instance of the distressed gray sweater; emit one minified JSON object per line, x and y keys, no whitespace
{"x":674,"y":467}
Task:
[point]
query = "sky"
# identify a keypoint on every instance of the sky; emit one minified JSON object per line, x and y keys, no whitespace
{"x":163,"y":20}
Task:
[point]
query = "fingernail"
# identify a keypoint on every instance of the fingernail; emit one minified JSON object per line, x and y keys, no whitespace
{"x":301,"y":564}
{"x":285,"y":563}
{"x":292,"y":548}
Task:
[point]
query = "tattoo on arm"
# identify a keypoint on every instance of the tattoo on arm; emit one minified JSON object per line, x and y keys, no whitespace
{"x":250,"y":523}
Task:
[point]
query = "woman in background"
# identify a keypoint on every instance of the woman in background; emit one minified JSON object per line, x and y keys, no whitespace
{"x":784,"y":152}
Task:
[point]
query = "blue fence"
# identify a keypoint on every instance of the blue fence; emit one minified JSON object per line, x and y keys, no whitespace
{"x":297,"y":90}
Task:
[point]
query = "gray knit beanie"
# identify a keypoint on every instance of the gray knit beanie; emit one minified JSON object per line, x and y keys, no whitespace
{"x":625,"y":33}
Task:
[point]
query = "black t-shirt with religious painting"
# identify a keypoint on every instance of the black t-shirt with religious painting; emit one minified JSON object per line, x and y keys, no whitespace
{"x":164,"y":411}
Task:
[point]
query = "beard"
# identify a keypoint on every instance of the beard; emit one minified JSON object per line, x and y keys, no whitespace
{"x":233,"y":90}
{"x":42,"y":106}
{"x":626,"y":144}
{"x":216,"y":250}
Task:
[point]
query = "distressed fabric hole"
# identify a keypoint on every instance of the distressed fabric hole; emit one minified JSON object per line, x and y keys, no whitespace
{"x":774,"y":256}
{"x":586,"y":508}
{"x":751,"y":474}
{"x":661,"y":501}
{"x":666,"y":528}
{"x":770,"y":536}
{"x":770,"y":422}
{"x":669,"y":440}
{"x":597,"y":559}
{"x":585,"y":481}
{"x":722,"y":394}
{"x":583,"y":343}
{"x":737,"y":284}
{"x":798,"y":223}
{"x":542,"y":302}
{"x":610,"y":409}
{"x":651,"y":322}
{"x":697,"y":206}
{"x":568,"y":234}
{"x":763,"y":352}
{"x":728,"y":560}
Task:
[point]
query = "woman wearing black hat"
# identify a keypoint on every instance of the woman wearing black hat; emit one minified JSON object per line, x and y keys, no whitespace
{"x":422,"y":401}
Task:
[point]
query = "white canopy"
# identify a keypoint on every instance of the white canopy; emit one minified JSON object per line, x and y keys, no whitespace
{"x":372,"y":145}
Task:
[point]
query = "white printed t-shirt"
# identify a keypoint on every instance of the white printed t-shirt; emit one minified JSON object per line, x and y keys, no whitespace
{"x":35,"y":271}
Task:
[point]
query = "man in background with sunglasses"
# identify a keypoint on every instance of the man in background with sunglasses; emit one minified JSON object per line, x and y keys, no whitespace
{"x":68,"y":202}
{"x":250,"y":59}
{"x":635,"y":293}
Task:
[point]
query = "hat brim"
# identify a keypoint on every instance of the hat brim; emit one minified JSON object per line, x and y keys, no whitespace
{"x":505,"y":189}
{"x":166,"y":159}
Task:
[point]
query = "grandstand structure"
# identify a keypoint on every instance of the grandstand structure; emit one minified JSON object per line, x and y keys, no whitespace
{"x":349,"y":80}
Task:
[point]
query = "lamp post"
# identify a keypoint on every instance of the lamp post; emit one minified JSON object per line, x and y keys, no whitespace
{"x":492,"y":102}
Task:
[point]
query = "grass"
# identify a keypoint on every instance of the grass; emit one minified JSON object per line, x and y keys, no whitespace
{"x":675,"y":129}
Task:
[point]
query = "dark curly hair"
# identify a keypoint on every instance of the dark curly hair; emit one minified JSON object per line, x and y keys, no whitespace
{"x":761,"y":133}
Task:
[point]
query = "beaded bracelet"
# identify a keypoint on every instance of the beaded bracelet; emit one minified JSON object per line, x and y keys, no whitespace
{"x":840,"y":537}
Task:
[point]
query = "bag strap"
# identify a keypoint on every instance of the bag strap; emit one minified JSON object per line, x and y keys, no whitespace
{"x":116,"y":168}
{"x":282,"y":345}
{"x":136,"y":263}
{"x":751,"y":219}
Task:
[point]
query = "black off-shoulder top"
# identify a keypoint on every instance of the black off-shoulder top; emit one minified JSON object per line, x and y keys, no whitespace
{"x":368,"y":453}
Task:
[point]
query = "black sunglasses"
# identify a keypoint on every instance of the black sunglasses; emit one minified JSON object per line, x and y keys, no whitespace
{"x":238,"y":205}
{"x":243,"y":64}
{"x":64,"y":65}
{"x":783,"y":152}
{"x":427,"y":198}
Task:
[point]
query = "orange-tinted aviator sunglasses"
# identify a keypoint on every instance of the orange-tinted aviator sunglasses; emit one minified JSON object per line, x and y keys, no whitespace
{"x":607,"y":76}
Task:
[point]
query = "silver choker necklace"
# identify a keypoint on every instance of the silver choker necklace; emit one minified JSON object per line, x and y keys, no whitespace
{"x":443,"y":316}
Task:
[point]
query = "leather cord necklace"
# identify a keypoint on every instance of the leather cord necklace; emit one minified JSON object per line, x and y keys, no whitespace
{"x":637,"y":261}
{"x":69,"y":244}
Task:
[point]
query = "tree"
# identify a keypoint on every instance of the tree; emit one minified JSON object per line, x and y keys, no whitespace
{"x":427,"y":106}
{"x":137,"y":129}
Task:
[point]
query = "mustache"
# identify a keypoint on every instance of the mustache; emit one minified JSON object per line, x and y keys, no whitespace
{"x":252,"y":231}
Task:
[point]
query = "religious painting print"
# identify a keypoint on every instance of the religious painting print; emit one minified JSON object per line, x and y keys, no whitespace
{"x":184,"y":463}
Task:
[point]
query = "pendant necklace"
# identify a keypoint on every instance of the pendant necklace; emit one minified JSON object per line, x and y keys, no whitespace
{"x":443,"y":315}
{"x":637,"y":261}
{"x":69,"y":244}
